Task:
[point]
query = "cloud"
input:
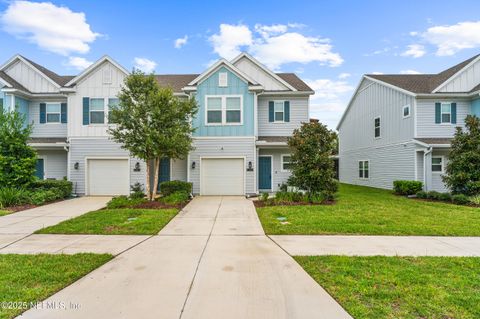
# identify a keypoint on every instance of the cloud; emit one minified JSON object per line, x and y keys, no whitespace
{"x":79,"y":63}
{"x":344,"y":75}
{"x":53,"y":28}
{"x":415,"y":51}
{"x":145,"y":64}
{"x":180,"y":42}
{"x":450,"y":39}
{"x":274,"y":45}
{"x":409,"y":72}
{"x":377,"y":73}
{"x":329,"y":89}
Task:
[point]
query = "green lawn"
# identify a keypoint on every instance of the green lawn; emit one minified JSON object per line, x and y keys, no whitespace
{"x":124,"y":221}
{"x":32,"y":278}
{"x":400,"y":287}
{"x":372,"y":211}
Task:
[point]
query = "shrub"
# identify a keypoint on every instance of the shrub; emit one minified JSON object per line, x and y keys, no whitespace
{"x":62,"y":187}
{"x":170,"y":187}
{"x":264,"y":197}
{"x":446,"y":197}
{"x":422,"y":195}
{"x":460,"y":199}
{"x":433,"y":195}
{"x":283,"y":187}
{"x":10,"y":196}
{"x":176,"y":198}
{"x":38,"y":198}
{"x":317,"y":198}
{"x":124,"y":202}
{"x":407,"y":187}
{"x":475,"y":199}
{"x":290,"y":197}
{"x":136,"y":191}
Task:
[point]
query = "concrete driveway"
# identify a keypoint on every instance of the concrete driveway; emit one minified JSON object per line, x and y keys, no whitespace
{"x":211,"y":261}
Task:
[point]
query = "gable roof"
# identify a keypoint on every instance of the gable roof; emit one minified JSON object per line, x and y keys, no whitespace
{"x":217,"y":65}
{"x":422,"y":83}
{"x":12,"y":83}
{"x":61,"y":80}
{"x":93,"y":67}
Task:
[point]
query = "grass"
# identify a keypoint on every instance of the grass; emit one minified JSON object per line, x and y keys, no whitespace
{"x":4,"y":212}
{"x":125,"y":221}
{"x":400,"y":287}
{"x":32,"y":278}
{"x":372,"y":211}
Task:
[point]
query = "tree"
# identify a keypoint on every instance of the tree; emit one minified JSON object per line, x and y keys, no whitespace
{"x":151,"y":123}
{"x":312,"y":146}
{"x":462,"y":174}
{"x":17,"y":158}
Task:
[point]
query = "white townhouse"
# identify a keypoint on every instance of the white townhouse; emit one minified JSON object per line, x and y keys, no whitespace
{"x":246,"y":113}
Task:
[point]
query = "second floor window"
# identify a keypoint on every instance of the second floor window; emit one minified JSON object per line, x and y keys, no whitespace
{"x":377,"y":127}
{"x":97,"y":111}
{"x":446,"y":112}
{"x":112,"y":104}
{"x":223,"y":110}
{"x":53,"y":113}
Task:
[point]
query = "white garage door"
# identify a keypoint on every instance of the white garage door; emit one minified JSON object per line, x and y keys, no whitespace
{"x":223,"y":176}
{"x":108,"y":177}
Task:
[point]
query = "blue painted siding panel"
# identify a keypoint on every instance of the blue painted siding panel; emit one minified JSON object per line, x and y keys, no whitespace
{"x":476,"y":107}
{"x":236,"y":86}
{"x":21,"y":105}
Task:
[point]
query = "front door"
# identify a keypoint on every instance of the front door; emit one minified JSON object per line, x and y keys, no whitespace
{"x":265,"y":172}
{"x":40,"y":168}
{"x":164,"y":171}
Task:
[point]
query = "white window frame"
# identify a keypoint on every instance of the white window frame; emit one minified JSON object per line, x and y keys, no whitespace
{"x":224,"y":110}
{"x":108,"y":108}
{"x":283,"y":112}
{"x":379,"y":127}
{"x":283,"y":162}
{"x":409,"y":111}
{"x":105,"y":112}
{"x":363,"y":169}
{"x":442,"y":164}
{"x":441,"y":113}
{"x":59,"y":113}
{"x":222,"y":79}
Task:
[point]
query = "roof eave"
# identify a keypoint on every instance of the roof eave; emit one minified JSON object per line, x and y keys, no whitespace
{"x":93,"y":66}
{"x":456,"y":74}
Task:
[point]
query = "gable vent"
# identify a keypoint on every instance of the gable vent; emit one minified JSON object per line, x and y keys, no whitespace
{"x":222,"y":79}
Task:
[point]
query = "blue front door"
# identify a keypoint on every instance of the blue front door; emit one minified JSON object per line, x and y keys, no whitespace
{"x":265,"y":172}
{"x":164,"y":171}
{"x":40,"y":168}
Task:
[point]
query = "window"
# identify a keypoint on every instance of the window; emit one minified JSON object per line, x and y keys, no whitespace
{"x":214,"y":110}
{"x":406,"y":111}
{"x":437,"y":164}
{"x":286,"y":162}
{"x":377,"y":127}
{"x":363,"y":169}
{"x":223,"y":110}
{"x":222,"y":79}
{"x":446,"y":112}
{"x":279,"y":110}
{"x":233,"y":110}
{"x":97,"y":111}
{"x":112,"y":104}
{"x":107,"y":76}
{"x":53,"y":112}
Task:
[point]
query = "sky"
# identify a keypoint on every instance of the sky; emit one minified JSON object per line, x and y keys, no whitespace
{"x":329,"y":44}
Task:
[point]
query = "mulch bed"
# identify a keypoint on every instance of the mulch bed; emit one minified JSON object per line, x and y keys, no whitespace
{"x":16,"y":209}
{"x":259,"y":203}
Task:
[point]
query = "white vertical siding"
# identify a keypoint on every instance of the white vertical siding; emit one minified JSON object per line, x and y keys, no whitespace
{"x":55,"y":163}
{"x":29,"y":78}
{"x":259,"y":75}
{"x":426,"y":126}
{"x":46,"y":129}
{"x":298,"y":115}
{"x":279,"y":176}
{"x":465,"y":81}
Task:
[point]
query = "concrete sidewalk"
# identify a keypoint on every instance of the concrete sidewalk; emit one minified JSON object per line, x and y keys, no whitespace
{"x":211,"y":261}
{"x":379,"y":245}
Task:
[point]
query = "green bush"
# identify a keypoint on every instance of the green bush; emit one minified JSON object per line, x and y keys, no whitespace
{"x":136,"y":191}
{"x":446,"y":197}
{"x":460,"y":199}
{"x":283,"y":187}
{"x":407,"y":187}
{"x":124,"y":202}
{"x":264,"y":197}
{"x":433,"y":195}
{"x":10,"y":196}
{"x":290,"y":197}
{"x":176,"y":198}
{"x":62,"y":188}
{"x":422,"y":195}
{"x":475,"y":199}
{"x":170,"y":187}
{"x":317,"y":198}
{"x":38,"y":198}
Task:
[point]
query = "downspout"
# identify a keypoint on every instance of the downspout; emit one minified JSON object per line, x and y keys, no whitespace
{"x":429,"y":150}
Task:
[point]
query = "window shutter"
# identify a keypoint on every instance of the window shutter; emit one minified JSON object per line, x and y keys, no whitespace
{"x":438,"y":113}
{"x":63,"y":112}
{"x":1,"y":105}
{"x":271,"y":111}
{"x":43,"y":113}
{"x":454,"y":113}
{"x":86,"y":111}
{"x":286,"y":110}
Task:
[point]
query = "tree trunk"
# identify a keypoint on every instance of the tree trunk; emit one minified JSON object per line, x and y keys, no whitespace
{"x":155,"y":177}
{"x":147,"y":187}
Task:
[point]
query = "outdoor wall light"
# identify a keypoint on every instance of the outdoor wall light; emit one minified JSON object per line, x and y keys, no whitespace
{"x":76,"y":165}
{"x":193,"y":165}
{"x":250,"y":166}
{"x":137,"y":167}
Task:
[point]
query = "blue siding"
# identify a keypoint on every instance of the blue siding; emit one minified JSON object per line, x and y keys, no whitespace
{"x":236,"y":86}
{"x":476,"y":107}
{"x":21,"y":105}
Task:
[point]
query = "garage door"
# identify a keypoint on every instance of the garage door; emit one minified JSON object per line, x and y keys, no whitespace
{"x":222,"y":176}
{"x":108,"y":177}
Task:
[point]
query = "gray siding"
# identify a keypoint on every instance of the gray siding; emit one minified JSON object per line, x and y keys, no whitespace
{"x":387,"y":164}
{"x":80,"y":149}
{"x":278,"y":175}
{"x":178,"y":170}
{"x":437,"y":182}
{"x":426,"y":126}
{"x":46,"y":129}
{"x":420,"y":168}
{"x":55,"y":164}
{"x":298,"y":115}
{"x":465,"y":81}
{"x":371,"y":101}
{"x":223,"y":147}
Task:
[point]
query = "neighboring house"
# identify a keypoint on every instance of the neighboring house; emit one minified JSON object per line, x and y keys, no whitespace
{"x":246,"y":112}
{"x":399,"y":127}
